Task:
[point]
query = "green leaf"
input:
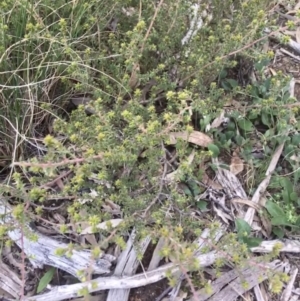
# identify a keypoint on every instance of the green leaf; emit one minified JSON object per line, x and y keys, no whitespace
{"x":223,"y":74}
{"x":286,"y":97}
{"x":265,"y":118}
{"x":214,"y":167}
{"x":252,"y":242}
{"x":224,"y":166}
{"x":285,"y":196}
{"x":262,"y":90}
{"x":239,"y":140}
{"x":278,"y":232}
{"x":280,"y":221}
{"x":204,"y":122}
{"x":225,"y":85}
{"x":242,"y":227}
{"x":202,"y":205}
{"x":253,"y":115}
{"x":214,"y":149}
{"x":187,"y":191}
{"x":298,"y":221}
{"x":232,"y":82}
{"x":254,"y":92}
{"x":293,"y":196}
{"x":261,"y":64}
{"x":286,"y":184}
{"x":45,"y":280}
{"x":231,"y":126}
{"x":267,"y":83}
{"x":269,"y":133}
{"x":289,"y":150}
{"x":230,"y":134}
{"x":193,"y":187}
{"x":245,"y":124}
{"x":274,"y":209}
{"x":296,"y":139}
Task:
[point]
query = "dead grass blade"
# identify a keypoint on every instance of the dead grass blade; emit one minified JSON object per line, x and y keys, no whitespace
{"x":103,"y":226}
{"x":264,"y":184}
{"x":249,"y":203}
{"x":236,"y":164}
{"x":194,"y":137}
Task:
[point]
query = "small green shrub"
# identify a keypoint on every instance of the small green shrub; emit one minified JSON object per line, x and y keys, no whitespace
{"x":127,"y":56}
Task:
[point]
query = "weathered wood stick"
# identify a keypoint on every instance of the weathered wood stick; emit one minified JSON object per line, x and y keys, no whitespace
{"x":42,"y":251}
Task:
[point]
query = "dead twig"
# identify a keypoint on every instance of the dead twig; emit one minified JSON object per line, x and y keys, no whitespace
{"x":42,"y":250}
{"x":288,"y":290}
{"x":57,"y":164}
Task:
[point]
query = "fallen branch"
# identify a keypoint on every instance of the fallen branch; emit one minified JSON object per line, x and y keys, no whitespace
{"x":203,"y":241}
{"x":9,"y":281}
{"x":288,"y":290}
{"x":231,"y":285}
{"x":126,"y":282}
{"x":42,"y":250}
{"x":287,"y":245}
{"x":127,"y":265}
{"x":278,"y":37}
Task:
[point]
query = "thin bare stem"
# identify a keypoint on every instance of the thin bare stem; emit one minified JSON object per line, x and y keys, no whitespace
{"x":57,"y":164}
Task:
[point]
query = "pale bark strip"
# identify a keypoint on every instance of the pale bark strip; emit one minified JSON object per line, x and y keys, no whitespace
{"x":196,"y":23}
{"x":259,"y":293}
{"x":233,"y":281}
{"x":127,"y":266}
{"x":286,"y":245}
{"x":288,"y":290}
{"x":9,"y":281}
{"x":126,"y":282}
{"x":290,"y":43}
{"x":156,"y":258}
{"x":42,"y":251}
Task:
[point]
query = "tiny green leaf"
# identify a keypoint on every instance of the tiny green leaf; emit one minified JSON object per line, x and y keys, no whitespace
{"x":232,"y":82}
{"x":214,"y":149}
{"x":202,"y":205}
{"x":296,"y":139}
{"x":225,"y":85}
{"x":223,"y":74}
{"x":252,"y":242}
{"x":45,"y":280}
{"x":286,"y":184}
{"x":245,"y":124}
{"x":261,"y":64}
{"x":285,"y":196}
{"x":297,"y":223}
{"x":242,"y":227}
{"x":278,"y":232}
{"x":274,"y":209}
{"x":265,"y":118}
{"x":280,"y":221}
{"x":293,"y":196}
{"x":187,"y":191}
